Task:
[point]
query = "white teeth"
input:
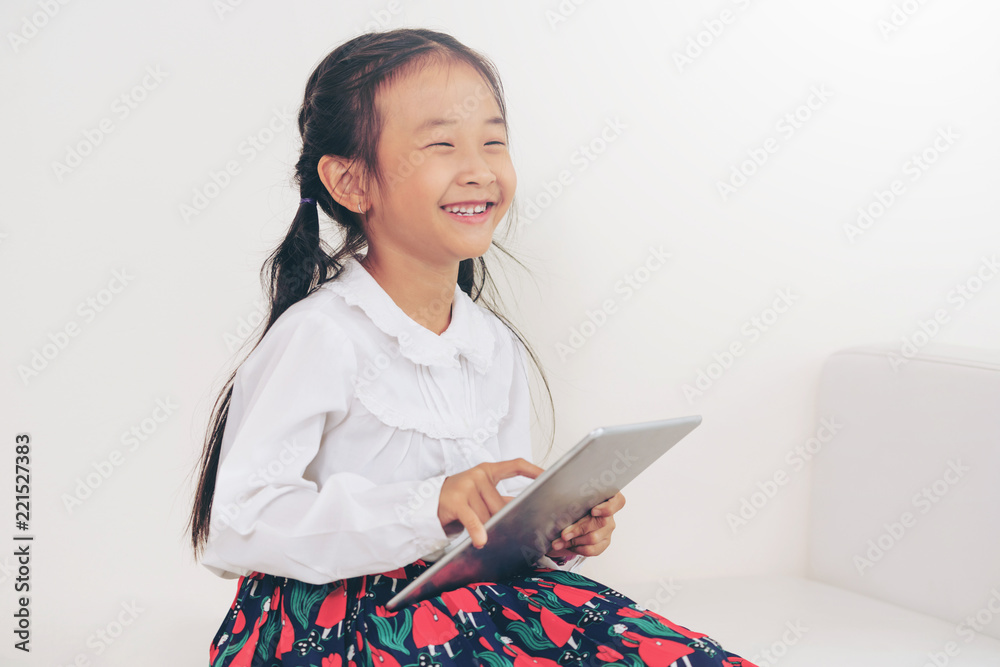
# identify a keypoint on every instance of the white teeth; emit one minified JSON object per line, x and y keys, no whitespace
{"x":466,"y":210}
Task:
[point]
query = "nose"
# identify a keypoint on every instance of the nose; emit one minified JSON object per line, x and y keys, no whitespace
{"x":476,"y":169}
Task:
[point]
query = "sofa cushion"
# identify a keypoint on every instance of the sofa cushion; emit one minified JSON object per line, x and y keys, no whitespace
{"x":796,"y":622}
{"x":905,"y":497}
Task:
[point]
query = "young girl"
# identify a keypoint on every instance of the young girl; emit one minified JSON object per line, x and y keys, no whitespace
{"x":384,"y":412}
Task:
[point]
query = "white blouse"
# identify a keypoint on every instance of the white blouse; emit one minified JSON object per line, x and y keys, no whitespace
{"x":344,"y":422}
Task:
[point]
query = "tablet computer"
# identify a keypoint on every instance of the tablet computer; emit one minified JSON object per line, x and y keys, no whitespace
{"x":597,"y":468}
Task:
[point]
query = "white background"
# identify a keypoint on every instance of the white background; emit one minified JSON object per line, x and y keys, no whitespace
{"x":684,"y":127}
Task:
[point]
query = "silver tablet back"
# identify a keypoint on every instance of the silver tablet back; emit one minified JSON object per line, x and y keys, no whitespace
{"x":597,"y":468}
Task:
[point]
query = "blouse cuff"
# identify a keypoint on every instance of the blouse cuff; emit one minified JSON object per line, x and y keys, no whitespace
{"x":421,"y":515}
{"x":564,"y":564}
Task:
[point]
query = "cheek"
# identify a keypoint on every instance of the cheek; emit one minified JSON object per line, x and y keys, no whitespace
{"x":430,"y":180}
{"x":508,"y":178}
{"x":408,"y":189}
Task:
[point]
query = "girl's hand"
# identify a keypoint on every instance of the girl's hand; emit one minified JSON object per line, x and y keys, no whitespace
{"x":591,"y":535}
{"x":471,"y":497}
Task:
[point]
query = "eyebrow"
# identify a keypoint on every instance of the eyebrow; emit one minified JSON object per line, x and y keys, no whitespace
{"x":438,"y":122}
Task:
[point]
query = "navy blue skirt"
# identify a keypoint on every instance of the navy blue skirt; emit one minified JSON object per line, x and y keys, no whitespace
{"x":540,"y":618}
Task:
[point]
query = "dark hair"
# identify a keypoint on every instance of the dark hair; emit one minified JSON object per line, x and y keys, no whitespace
{"x":339,"y":116}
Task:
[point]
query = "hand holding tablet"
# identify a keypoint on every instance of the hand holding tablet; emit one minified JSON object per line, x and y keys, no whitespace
{"x":471,"y":496}
{"x":520,"y":531}
{"x":591,"y":535}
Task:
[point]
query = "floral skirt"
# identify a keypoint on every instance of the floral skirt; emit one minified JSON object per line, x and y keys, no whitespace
{"x":542,"y":617}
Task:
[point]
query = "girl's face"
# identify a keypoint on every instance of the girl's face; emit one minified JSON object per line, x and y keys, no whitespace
{"x":442,"y":145}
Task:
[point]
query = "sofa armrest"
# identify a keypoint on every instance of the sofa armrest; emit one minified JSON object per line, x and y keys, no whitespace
{"x":905,"y":499}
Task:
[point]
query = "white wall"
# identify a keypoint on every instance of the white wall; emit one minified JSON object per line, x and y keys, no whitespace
{"x":680,"y":131}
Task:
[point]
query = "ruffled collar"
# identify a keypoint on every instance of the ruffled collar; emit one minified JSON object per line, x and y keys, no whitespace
{"x":468,"y":334}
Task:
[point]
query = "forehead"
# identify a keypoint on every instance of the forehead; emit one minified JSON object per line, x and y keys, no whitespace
{"x":437,"y":90}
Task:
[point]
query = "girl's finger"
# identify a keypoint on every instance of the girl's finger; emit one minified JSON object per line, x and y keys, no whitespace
{"x":577,"y":529}
{"x":511,"y":467}
{"x":609,"y":506}
{"x":587,"y":539}
{"x":491,"y":499}
{"x":472,"y":524}
{"x":590,"y":537}
{"x":568,"y":533}
{"x":485,"y":504}
{"x":585,"y":525}
{"x":600,"y":508}
{"x":593,"y":529}
{"x":593,"y":549}
{"x":479,"y":506}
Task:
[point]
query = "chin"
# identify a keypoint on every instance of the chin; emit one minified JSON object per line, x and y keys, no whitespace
{"x":481,"y":251}
{"x":474,"y":250}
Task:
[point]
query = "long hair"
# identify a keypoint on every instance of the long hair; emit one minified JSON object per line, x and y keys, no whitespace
{"x":339,"y":116}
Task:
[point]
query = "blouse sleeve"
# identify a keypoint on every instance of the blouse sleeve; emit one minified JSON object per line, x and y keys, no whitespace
{"x":268,"y":515}
{"x":514,"y":436}
{"x":568,"y":565}
{"x":514,"y":432}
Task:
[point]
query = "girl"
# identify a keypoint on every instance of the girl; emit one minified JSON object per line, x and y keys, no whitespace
{"x":383,"y":413}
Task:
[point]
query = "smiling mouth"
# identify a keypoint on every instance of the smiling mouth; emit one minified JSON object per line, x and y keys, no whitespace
{"x":468,"y":210}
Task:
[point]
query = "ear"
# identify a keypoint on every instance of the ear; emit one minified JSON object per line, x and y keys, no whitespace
{"x":340,"y":177}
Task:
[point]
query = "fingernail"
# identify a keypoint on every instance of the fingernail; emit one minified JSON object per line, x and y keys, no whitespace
{"x":558,"y":544}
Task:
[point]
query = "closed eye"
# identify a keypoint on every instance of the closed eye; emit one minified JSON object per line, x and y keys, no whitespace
{"x":488,"y":143}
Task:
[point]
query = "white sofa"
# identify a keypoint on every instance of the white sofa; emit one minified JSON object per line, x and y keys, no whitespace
{"x":904,"y":526}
